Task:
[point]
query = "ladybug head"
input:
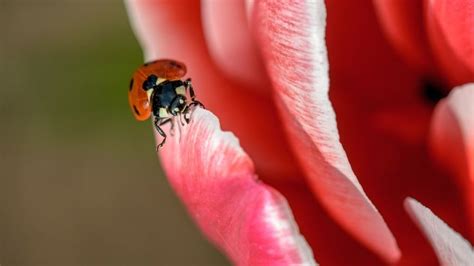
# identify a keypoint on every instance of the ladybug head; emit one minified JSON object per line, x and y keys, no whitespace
{"x":178,"y":105}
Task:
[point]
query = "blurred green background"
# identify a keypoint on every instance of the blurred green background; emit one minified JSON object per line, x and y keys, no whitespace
{"x":80,"y":183}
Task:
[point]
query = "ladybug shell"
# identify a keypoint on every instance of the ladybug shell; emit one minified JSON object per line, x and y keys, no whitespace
{"x":138,"y":97}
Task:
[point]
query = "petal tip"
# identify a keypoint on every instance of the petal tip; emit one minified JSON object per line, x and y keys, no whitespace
{"x":450,"y":247}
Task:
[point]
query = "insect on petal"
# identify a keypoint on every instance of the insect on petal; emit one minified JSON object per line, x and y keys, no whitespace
{"x":292,"y":40}
{"x":174,"y":29}
{"x":214,"y":177}
{"x":450,"y":247}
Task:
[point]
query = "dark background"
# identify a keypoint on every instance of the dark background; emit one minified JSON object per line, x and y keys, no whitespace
{"x":80,"y":183}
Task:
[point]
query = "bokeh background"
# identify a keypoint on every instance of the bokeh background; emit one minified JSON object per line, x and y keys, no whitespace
{"x":80,"y":183}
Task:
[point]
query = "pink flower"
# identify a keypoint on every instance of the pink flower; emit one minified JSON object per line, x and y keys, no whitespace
{"x":281,"y":190}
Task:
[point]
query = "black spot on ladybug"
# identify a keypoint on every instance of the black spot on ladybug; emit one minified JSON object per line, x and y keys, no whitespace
{"x":150,"y":82}
{"x":131,"y":85}
{"x":136,"y":110}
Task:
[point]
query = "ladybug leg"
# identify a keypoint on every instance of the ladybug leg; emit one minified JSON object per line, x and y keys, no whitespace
{"x":189,"y":87}
{"x":158,"y":122}
{"x":172,"y":121}
{"x":189,"y":108}
{"x":164,"y":122}
{"x":186,"y":112}
{"x":183,"y":119}
{"x":194,"y":102}
{"x":180,"y":119}
{"x":197,"y":103}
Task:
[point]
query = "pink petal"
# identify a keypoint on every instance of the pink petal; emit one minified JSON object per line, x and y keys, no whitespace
{"x":215,"y":178}
{"x":456,"y":22}
{"x":452,"y":139}
{"x":237,"y":54}
{"x":450,"y":247}
{"x":402,"y":22}
{"x":291,"y":38}
{"x":451,"y":55}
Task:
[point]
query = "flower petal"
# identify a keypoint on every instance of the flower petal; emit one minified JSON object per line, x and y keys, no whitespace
{"x":456,"y":22}
{"x":402,"y":22}
{"x":237,"y":56}
{"x":452,"y":139}
{"x":291,"y":38}
{"x":172,"y":29}
{"x":367,"y":79}
{"x":214,"y":177}
{"x":450,"y":247}
{"x":408,"y":123}
{"x":449,"y":25}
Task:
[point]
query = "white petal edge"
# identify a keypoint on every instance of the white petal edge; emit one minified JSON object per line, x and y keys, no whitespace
{"x":450,"y":247}
{"x":461,"y":103}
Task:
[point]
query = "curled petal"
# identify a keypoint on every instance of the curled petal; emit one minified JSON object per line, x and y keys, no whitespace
{"x":215,"y":179}
{"x":402,"y":22}
{"x":450,"y":247}
{"x":292,"y":40}
{"x":452,"y":138}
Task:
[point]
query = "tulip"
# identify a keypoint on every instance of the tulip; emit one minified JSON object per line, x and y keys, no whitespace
{"x":268,"y":173}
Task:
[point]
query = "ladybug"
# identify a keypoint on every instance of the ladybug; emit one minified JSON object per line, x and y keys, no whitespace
{"x":156,"y":88}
